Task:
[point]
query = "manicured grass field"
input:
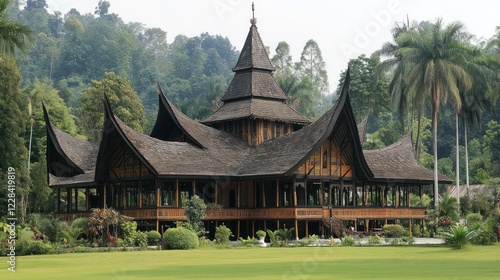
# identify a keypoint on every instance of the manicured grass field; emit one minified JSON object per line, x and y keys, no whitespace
{"x":473,"y":262}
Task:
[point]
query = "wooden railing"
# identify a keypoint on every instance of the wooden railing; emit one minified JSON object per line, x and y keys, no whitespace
{"x":177,"y":214}
{"x":375,"y":213}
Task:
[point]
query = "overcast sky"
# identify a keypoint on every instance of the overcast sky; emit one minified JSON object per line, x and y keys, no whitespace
{"x":342,"y":29}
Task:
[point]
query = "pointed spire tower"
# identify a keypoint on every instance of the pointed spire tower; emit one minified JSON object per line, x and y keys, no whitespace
{"x":255,"y":106}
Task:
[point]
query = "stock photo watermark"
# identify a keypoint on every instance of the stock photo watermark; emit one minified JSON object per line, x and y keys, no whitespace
{"x":11,"y":218}
{"x":379,"y":21}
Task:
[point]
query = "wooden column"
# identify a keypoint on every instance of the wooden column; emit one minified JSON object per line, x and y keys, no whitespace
{"x":296,"y":229}
{"x":104,"y":196}
{"x":277,"y":193}
{"x":238,"y":195}
{"x":355,"y":224}
{"x":216,"y":192}
{"x":294,"y":195}
{"x":265,"y":225}
{"x":253,"y":229}
{"x":367,"y":225}
{"x":158,"y":202}
{"x":410,"y":229}
{"x":263,"y":195}
{"x":157,"y":225}
{"x":176,"y":203}
{"x":238,"y":230}
{"x":194,"y":186}
{"x":307,"y":228}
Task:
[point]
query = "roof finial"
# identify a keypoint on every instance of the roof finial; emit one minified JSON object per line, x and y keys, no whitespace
{"x":253,"y":21}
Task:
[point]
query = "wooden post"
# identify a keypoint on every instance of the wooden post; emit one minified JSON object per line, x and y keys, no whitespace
{"x":294,"y":194}
{"x":176,"y":203}
{"x":296,"y":229}
{"x":104,"y":196}
{"x":157,"y":225}
{"x":277,"y":193}
{"x":355,"y":224}
{"x":307,"y":228}
{"x":410,"y":229}
{"x":263,"y":195}
{"x":265,"y":225}
{"x":238,"y":230}
{"x":238,"y":194}
{"x":367,"y":225}
{"x":253,"y":229}
{"x":216,"y":192}
{"x":194,"y":187}
{"x":158,"y":200}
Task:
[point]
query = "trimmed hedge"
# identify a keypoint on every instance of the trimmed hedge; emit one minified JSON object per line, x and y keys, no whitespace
{"x":394,"y":230}
{"x":181,"y":239}
{"x":153,"y":237}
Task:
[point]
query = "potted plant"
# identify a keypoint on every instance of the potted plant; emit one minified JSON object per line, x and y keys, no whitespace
{"x":261,"y":234}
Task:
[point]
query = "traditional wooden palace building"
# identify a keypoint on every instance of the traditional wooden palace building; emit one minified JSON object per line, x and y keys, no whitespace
{"x":258,"y":158}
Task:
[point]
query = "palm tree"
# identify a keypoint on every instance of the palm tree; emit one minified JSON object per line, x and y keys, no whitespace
{"x":403,"y":99}
{"x":434,"y":55}
{"x":13,"y":35}
{"x":298,"y":93}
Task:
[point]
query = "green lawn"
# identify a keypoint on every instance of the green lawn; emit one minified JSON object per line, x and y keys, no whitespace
{"x":473,"y":262}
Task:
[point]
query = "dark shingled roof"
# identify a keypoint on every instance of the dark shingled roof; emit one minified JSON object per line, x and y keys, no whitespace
{"x":82,"y":153}
{"x":253,"y":54}
{"x":397,"y":162}
{"x":254,"y":83}
{"x":168,"y":118}
{"x":283,"y":155}
{"x":256,"y":108}
{"x":85,"y":179}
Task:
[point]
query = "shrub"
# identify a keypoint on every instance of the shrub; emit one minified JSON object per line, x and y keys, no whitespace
{"x":313,"y":239}
{"x":458,"y":236}
{"x":347,"y":240}
{"x":222,"y":234}
{"x":33,"y":248}
{"x":140,"y":239}
{"x":374,"y":240}
{"x":129,"y":229}
{"x":474,"y":220}
{"x":181,"y":239}
{"x":249,"y":242}
{"x":261,"y":233}
{"x":153,"y":237}
{"x":394,"y":230}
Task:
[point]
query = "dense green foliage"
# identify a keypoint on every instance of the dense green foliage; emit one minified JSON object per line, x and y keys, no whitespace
{"x":393,"y":230}
{"x":194,"y":210}
{"x":153,"y":237}
{"x":222,"y":234}
{"x":180,"y":239}
{"x":458,"y":236}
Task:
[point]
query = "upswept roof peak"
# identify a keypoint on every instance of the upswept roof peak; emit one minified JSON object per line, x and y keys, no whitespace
{"x":167,"y":120}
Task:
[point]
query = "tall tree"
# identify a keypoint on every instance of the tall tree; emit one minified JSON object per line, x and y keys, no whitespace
{"x":124,"y":101}
{"x":13,"y":35}
{"x":282,"y":60}
{"x":312,"y":66}
{"x":435,"y":54}
{"x":13,"y":120}
{"x":368,"y":94}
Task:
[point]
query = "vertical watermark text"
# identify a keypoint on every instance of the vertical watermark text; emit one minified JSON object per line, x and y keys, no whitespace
{"x":11,"y":218}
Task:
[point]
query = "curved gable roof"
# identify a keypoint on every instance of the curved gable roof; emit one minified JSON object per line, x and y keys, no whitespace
{"x":111,"y":126}
{"x":167,"y":119}
{"x":66,"y":155}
